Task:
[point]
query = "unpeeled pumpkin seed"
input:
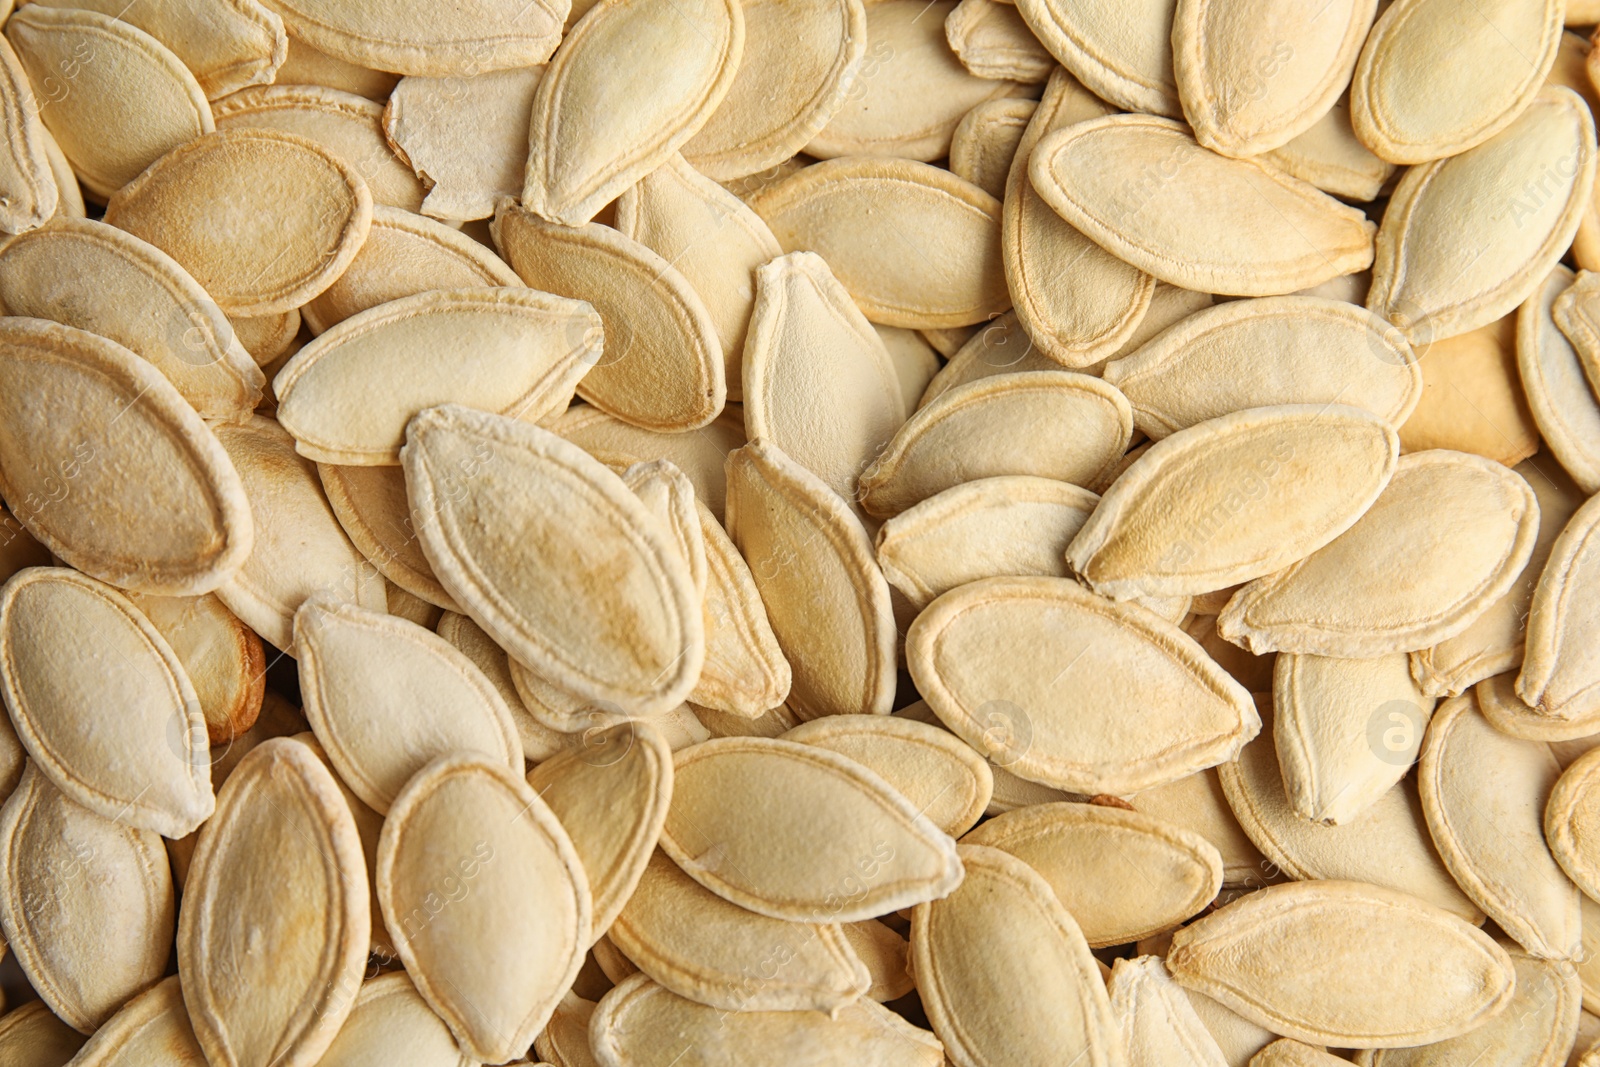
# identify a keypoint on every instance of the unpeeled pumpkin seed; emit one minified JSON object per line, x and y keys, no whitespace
{"x":1159,"y":1023}
{"x":151,"y":1028}
{"x":390,"y":35}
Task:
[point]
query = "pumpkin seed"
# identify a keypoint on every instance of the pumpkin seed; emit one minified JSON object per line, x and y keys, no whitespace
{"x":1123,"y":55}
{"x":992,"y":41}
{"x":155,"y":104}
{"x":1051,"y":424}
{"x":1158,"y":1022}
{"x":1123,"y":875}
{"x":1249,"y":354}
{"x":733,"y":796}
{"x":642,"y":1024}
{"x":282,"y":846}
{"x":662,"y":367}
{"x":144,"y":768}
{"x":886,"y":956}
{"x":538,"y":741}
{"x":347,"y":396}
{"x":1329,"y":156}
{"x":1569,"y":824}
{"x":1157,"y":533}
{"x":701,"y":454}
{"x":986,"y":140}
{"x":598,"y":127}
{"x":810,"y":550}
{"x":221,"y":655}
{"x":300,"y":549}
{"x":390,"y":35}
{"x":821,"y":385}
{"x":1272,"y":234}
{"x":1378,"y":588}
{"x":88,"y":903}
{"x":745,"y":672}
{"x":201,"y":204}
{"x":385,"y":696}
{"x":152,"y":1028}
{"x":1509,"y":48}
{"x":492,"y":931}
{"x":1484,"y":795}
{"x":1242,"y":954}
{"x":1507,"y":254}
{"x":943,"y":778}
{"x":32,"y":165}
{"x":466,"y":137}
{"x":1346,"y":731}
{"x":1472,"y":398}
{"x":1559,"y":394}
{"x":990,"y":1017}
{"x":610,"y":792}
{"x":909,"y":90}
{"x":36,"y":1037}
{"x":1009,"y":707}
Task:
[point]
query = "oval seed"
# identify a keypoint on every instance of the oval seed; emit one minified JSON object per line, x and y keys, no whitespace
{"x":914,"y":245}
{"x":221,"y":655}
{"x":465,"y":136}
{"x":909,"y":91}
{"x":942,"y":777}
{"x":712,"y":237}
{"x":1013,"y":525}
{"x":1387,"y":846}
{"x":391,"y":1021}
{"x":281,"y":846}
{"x":156,"y":104}
{"x":1024,"y":712}
{"x":1379,"y":587}
{"x":31,"y":162}
{"x":74,"y":408}
{"x":1254,"y":76}
{"x":487,"y":902}
{"x":985,"y":144}
{"x":1052,"y":424}
{"x":872,"y":854}
{"x":600,"y":125}
{"x":36,"y":1037}
{"x":1347,"y":730}
{"x":371,"y":506}
{"x":1271,"y":234}
{"x":1367,"y":967}
{"x":1507,"y":254}
{"x":347,"y":396}
{"x":405,"y":254}
{"x":762,"y":121}
{"x":145,"y":767}
{"x":1047,"y":1004}
{"x":300,"y":549}
{"x":1484,"y":796}
{"x":702,"y":947}
{"x":1158,"y":1021}
{"x":806,"y":549}
{"x":1536,"y":1029}
{"x":392,"y":35}
{"x":1569,"y":823}
{"x":369,"y":826}
{"x":819,"y":381}
{"x":1254,"y":353}
{"x":385,"y":696}
{"x":1123,"y":54}
{"x":641,"y":1024}
{"x":1559,"y":672}
{"x":1078,"y":301}
{"x":152,"y":1028}
{"x":640,"y":632}
{"x":1123,"y":875}
{"x":88,"y":903}
{"x":610,"y":793}
{"x":993,"y":41}
{"x":1499,"y":61}
{"x":201,"y":204}
{"x":1559,"y":394}
{"x":662,"y":366}
{"x":746,"y":672}
{"x":1197,"y":803}
{"x":348,"y":126}
{"x":1205,"y":508}
{"x":95,"y":277}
